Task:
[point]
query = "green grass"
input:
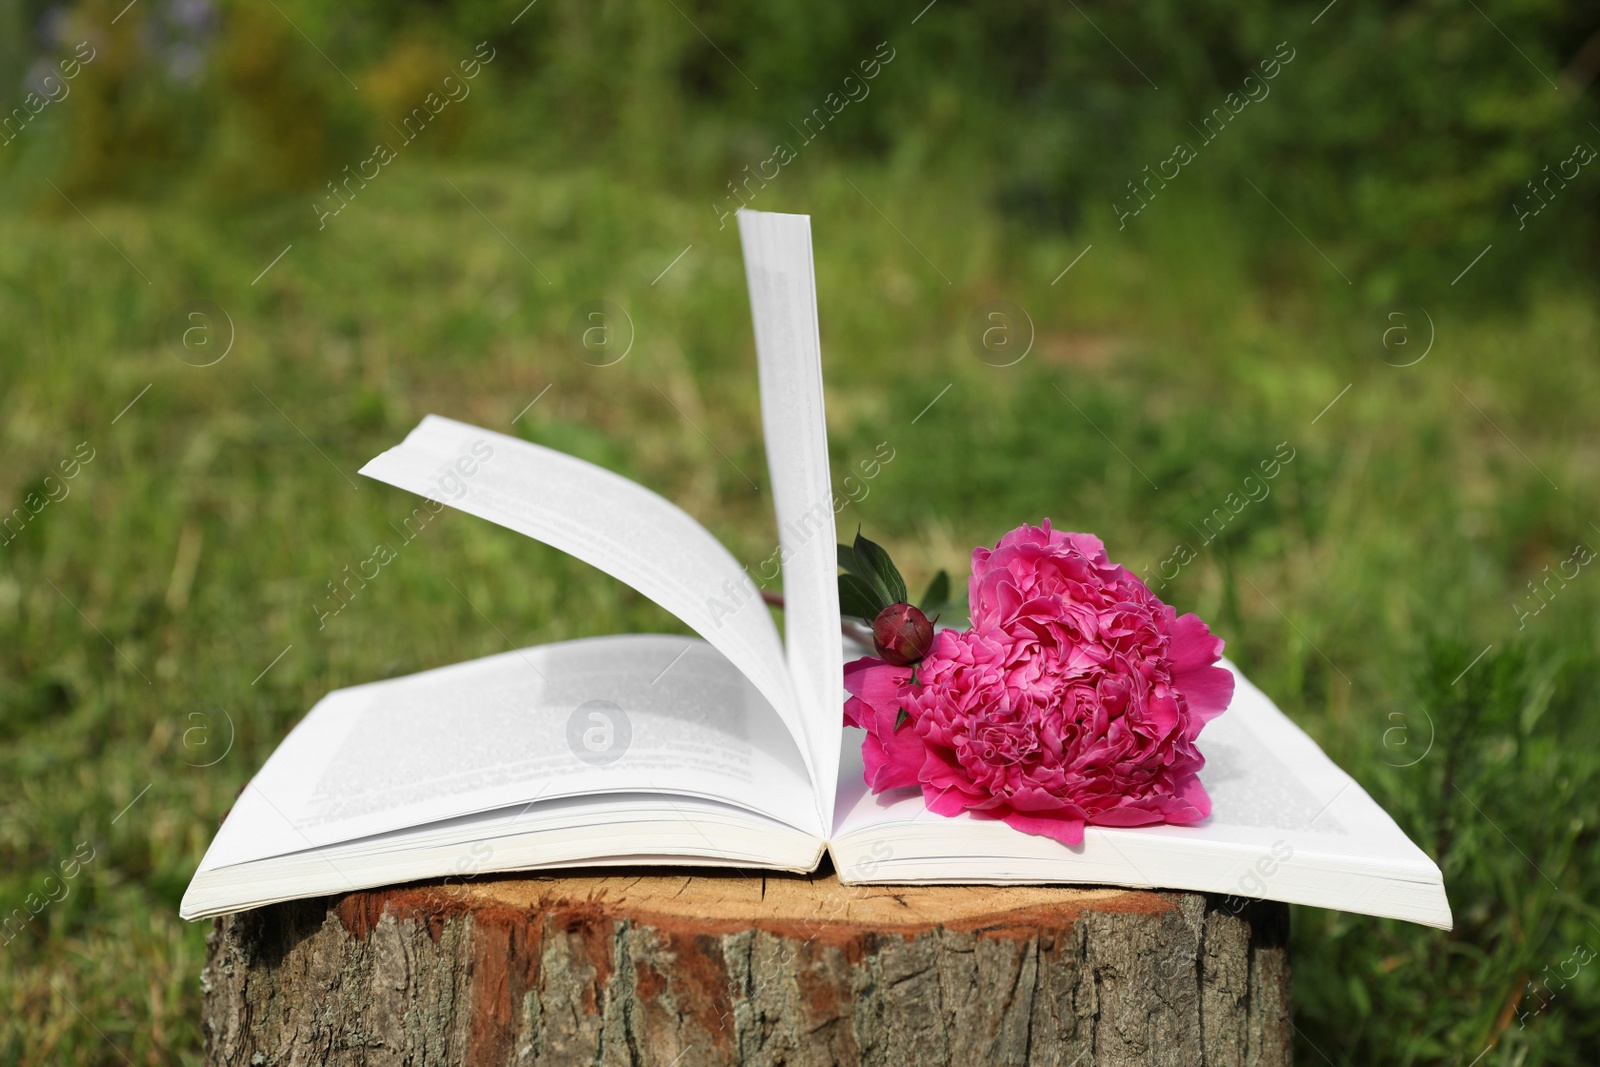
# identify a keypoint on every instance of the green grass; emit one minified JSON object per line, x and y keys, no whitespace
{"x":137,"y":612}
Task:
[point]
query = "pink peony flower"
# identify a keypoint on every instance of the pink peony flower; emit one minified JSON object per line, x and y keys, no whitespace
{"x":1075,"y":698}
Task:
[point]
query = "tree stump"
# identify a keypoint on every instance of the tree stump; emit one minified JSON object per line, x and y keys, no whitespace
{"x":668,"y":968}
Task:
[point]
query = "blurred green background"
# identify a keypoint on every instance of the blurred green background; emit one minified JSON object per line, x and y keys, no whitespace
{"x":1377,"y":255}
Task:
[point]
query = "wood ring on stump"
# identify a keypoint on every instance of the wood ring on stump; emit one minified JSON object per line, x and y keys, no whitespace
{"x":660,"y":968}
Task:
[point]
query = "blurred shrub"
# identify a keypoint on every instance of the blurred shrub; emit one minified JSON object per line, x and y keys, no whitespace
{"x":271,"y":129}
{"x":402,"y":80}
{"x":133,"y":112}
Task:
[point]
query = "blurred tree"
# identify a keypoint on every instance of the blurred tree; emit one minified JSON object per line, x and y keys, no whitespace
{"x":1399,"y":137}
{"x":13,"y":44}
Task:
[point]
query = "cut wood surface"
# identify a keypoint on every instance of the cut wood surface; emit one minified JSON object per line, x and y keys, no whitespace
{"x":659,"y":968}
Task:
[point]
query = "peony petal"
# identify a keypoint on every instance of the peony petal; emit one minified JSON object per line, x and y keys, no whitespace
{"x":1194,"y":651}
{"x":1126,"y":815}
{"x":1192,"y":791}
{"x":1088,"y":544}
{"x":1007,"y":599}
{"x":946,"y":789}
{"x":892,"y":759}
{"x":1035,"y":801}
{"x":876,"y":682}
{"x":1164,"y":711}
{"x":873,"y":718}
{"x":1193,"y":643}
{"x":1068,"y":829}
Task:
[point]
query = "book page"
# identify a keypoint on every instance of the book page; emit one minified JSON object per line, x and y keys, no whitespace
{"x":609,"y":522}
{"x":783,"y":305}
{"x":612,"y":829}
{"x":651,"y":713}
{"x":1286,"y":824}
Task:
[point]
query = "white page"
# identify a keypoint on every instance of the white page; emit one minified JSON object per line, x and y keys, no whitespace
{"x":1286,"y":824}
{"x":620,"y":828}
{"x":783,"y":305}
{"x":609,"y":522}
{"x":516,"y":727}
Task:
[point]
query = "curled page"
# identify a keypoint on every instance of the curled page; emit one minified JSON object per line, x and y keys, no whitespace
{"x":645,"y":714}
{"x":610,"y":523}
{"x":1285,"y":824}
{"x":783,"y":304}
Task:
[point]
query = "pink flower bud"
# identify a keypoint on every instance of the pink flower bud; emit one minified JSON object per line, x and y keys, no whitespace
{"x":902,"y":634}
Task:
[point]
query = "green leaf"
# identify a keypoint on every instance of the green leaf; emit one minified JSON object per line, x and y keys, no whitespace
{"x":858,"y":598}
{"x":873,"y":563}
{"x":938,"y":594}
{"x":900,"y":720}
{"x":856,"y":566}
{"x":873,"y":591}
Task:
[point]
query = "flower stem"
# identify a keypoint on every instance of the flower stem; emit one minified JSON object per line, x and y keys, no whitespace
{"x":855,"y":631}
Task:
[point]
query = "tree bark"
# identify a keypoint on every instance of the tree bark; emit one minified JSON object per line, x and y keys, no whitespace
{"x":727,"y":968}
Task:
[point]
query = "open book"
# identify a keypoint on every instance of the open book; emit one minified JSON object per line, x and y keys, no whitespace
{"x":726,"y":749}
